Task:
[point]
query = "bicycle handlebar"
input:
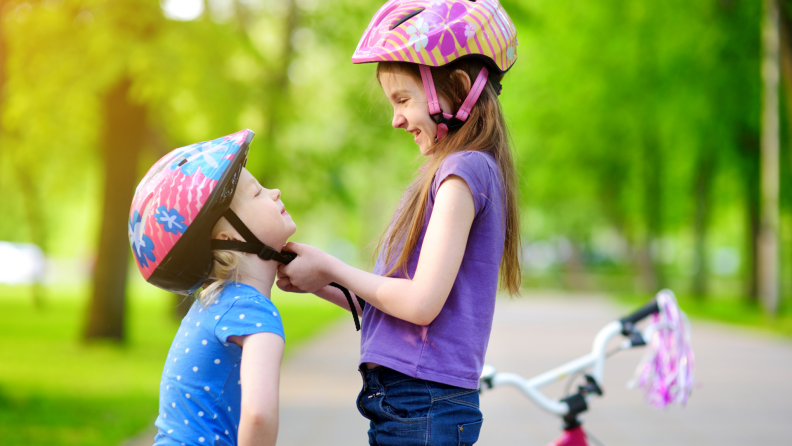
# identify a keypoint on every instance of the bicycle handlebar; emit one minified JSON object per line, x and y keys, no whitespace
{"x":641,"y":313}
{"x":595,"y":361}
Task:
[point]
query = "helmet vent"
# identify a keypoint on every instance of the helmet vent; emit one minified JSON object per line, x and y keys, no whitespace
{"x":183,"y":162}
{"x":408,"y":15}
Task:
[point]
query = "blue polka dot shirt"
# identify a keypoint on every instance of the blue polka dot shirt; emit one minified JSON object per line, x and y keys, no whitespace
{"x":200,"y":391}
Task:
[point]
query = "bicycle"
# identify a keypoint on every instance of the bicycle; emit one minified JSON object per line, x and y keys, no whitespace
{"x":666,"y":373}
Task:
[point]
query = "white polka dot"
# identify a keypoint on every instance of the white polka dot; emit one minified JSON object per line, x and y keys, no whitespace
{"x":188,"y":319}
{"x":201,"y":439}
{"x":173,"y":405}
{"x":186,"y":421}
{"x":215,"y":416}
{"x":197,"y":324}
{"x":217,"y":317}
{"x":167,"y":387}
{"x":275,"y":314}
{"x":178,"y":377}
{"x":225,"y":345}
{"x":200,"y":414}
{"x":185,"y":334}
{"x":195,"y":369}
{"x":217,"y":437}
{"x":217,"y":361}
{"x":206,"y":388}
{"x":187,"y":395}
{"x":186,"y":350}
{"x":170,"y":431}
{"x":241,"y":316}
{"x":236,"y":297}
{"x":258,"y":324}
{"x":175,"y":359}
{"x":200,"y":310}
{"x":225,"y":328}
{"x":203,"y":342}
{"x":164,"y":415}
{"x":239,"y":382}
{"x":229,"y":408}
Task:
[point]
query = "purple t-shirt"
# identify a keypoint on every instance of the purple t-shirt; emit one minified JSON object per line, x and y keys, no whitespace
{"x":451,"y":349}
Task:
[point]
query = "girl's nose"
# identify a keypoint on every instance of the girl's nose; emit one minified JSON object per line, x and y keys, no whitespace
{"x":399,"y":121}
{"x":275,"y":194}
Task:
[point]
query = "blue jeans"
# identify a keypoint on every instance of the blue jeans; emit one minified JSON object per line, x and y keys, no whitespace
{"x":406,"y":411}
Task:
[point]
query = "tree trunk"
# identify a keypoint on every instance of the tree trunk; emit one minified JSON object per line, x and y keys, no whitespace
{"x":276,"y":103}
{"x":3,"y":58}
{"x":650,"y":254}
{"x":122,"y":140}
{"x":768,"y":235}
{"x":786,"y":65}
{"x":36,"y":222}
{"x":751,"y":180}
{"x":703,"y":186}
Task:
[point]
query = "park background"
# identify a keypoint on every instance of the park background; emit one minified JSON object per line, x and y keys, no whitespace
{"x":640,"y":130}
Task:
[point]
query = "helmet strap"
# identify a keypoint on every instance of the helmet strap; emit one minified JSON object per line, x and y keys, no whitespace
{"x":446,"y":121}
{"x":252,"y":245}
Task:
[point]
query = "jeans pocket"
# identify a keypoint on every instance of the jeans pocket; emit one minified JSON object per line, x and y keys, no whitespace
{"x":406,"y":402}
{"x":469,"y":433}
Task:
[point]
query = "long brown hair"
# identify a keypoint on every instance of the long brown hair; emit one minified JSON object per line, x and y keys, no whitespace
{"x":485,"y":130}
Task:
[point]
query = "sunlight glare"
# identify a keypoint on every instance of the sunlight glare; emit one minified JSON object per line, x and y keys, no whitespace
{"x":182,"y":9}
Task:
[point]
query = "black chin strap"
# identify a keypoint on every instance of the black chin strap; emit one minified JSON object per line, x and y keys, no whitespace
{"x":254,"y":246}
{"x":352,"y":308}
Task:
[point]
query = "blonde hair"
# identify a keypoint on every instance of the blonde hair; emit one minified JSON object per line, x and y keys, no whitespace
{"x":485,"y":130}
{"x":226,"y":268}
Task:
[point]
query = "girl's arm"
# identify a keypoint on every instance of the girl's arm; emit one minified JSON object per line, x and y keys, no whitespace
{"x":328,"y":293}
{"x":417,"y":300}
{"x":260,"y":373}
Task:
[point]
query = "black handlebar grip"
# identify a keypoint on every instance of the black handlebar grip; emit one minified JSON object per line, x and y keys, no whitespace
{"x":643,"y":312}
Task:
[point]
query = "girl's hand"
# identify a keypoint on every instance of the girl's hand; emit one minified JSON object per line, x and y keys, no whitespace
{"x":309,"y":272}
{"x":284,"y":283}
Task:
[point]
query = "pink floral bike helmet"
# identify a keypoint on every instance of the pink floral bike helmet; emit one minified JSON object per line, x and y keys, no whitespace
{"x":433,"y":33}
{"x":177,"y":204}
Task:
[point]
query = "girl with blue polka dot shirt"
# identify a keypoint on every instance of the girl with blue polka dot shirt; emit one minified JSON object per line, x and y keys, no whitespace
{"x":220,"y":380}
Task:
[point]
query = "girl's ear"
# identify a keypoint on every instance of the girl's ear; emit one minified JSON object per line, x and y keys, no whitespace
{"x":227,"y":234}
{"x":464,"y":78}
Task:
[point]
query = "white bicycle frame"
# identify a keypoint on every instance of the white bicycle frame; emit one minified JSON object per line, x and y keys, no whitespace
{"x":593,"y":361}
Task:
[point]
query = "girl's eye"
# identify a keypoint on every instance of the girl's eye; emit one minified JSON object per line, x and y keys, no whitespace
{"x":402,"y":101}
{"x":259,"y":192}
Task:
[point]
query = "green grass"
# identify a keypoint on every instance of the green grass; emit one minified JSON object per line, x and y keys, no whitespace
{"x":57,"y":390}
{"x":732,"y":310}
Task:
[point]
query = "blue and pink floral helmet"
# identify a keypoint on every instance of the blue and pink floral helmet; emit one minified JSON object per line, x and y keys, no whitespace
{"x":177,"y":204}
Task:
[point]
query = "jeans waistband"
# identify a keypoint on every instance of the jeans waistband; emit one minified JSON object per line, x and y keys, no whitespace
{"x":381,"y":376}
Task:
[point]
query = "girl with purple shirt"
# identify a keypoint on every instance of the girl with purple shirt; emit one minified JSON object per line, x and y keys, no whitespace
{"x":455,"y":234}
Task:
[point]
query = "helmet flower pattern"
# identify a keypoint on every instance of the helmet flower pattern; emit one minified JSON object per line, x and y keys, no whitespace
{"x":171,"y":220}
{"x":470,"y":30}
{"x":451,"y":34}
{"x":209,"y":157}
{"x":417,"y":34}
{"x":142,"y":246}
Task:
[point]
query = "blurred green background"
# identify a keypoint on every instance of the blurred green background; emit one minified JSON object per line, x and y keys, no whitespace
{"x":637,"y":126}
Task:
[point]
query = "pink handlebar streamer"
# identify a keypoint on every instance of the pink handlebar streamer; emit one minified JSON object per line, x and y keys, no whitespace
{"x":666,"y":372}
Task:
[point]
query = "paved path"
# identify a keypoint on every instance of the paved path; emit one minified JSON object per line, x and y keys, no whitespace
{"x":744,"y":396}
